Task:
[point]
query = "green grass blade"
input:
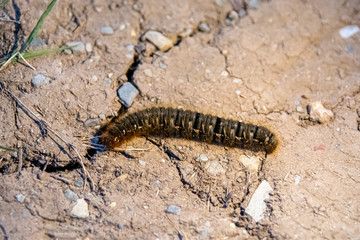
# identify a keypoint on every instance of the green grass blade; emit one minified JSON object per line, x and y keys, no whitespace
{"x":7,"y":149}
{"x":41,"y":52}
{"x":38,"y":26}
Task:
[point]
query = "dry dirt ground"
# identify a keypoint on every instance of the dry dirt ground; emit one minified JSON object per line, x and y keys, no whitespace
{"x":264,"y":68}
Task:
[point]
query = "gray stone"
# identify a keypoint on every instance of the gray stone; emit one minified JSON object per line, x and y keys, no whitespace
{"x":203,"y":27}
{"x":91,"y":122}
{"x":214,"y":168}
{"x":127,"y":93}
{"x":242,"y":13}
{"x":102,"y":116}
{"x":173,"y":209}
{"x":253,"y":3}
{"x":107,"y":81}
{"x":39,"y":80}
{"x":257,"y":203}
{"x":107,"y":30}
{"x":158,"y":39}
{"x":203,"y":234}
{"x":37,"y":43}
{"x":79,"y":182}
{"x":77,"y":47}
{"x":233,"y":15}
{"x":80,"y":210}
{"x":70,"y":195}
{"x":19,"y":197}
{"x":120,"y":226}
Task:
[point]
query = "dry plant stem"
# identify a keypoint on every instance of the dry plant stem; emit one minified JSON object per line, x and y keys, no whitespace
{"x":69,"y":145}
{"x":9,"y":20}
{"x":26,"y":61}
{"x":20,"y":158}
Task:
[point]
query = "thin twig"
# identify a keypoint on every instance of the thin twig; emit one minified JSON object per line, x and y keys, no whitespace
{"x":46,"y":125}
{"x":20,"y":158}
{"x":9,"y":20}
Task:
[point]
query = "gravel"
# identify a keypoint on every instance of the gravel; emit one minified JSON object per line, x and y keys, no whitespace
{"x":202,"y":158}
{"x":39,"y":80}
{"x":173,"y":209}
{"x":127,"y":93}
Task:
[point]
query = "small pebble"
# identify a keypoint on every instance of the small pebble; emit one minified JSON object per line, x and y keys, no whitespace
{"x":130,"y":47}
{"x":148,"y":72}
{"x":91,"y":122}
{"x":162,"y":65}
{"x":203,"y":27}
{"x":242,"y":13}
{"x":158,"y":39}
{"x":348,"y":31}
{"x":238,"y":92}
{"x":253,"y":4}
{"x":318,"y":113}
{"x":19,"y":197}
{"x":127,"y":93}
{"x":102,"y":116}
{"x":203,"y":234}
{"x":39,"y":80}
{"x":80,"y":210}
{"x":37,"y":43}
{"x":299,"y":109}
{"x":88,"y":47}
{"x":251,"y":163}
{"x":202,"y":158}
{"x":107,"y":81}
{"x":77,"y":47}
{"x":297,"y":179}
{"x":70,"y":195}
{"x":129,"y":56}
{"x":173,"y":209}
{"x":228,"y":21}
{"x":214,"y":168}
{"x":107,"y":31}
{"x":233,"y":15}
{"x":120,"y":226}
{"x":79,"y":183}
{"x":142,"y":163}
{"x":257,"y":205}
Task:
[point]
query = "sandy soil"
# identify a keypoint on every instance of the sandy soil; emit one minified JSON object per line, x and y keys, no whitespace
{"x":264,"y":68}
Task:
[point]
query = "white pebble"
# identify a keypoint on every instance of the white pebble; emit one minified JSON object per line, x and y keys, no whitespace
{"x":88,"y":47}
{"x":202,"y":158}
{"x":237,"y":92}
{"x":80,"y":210}
{"x":142,"y":163}
{"x":257,"y":203}
{"x":19,"y":197}
{"x":251,"y":163}
{"x":348,"y":31}
{"x":158,"y":39}
{"x":214,"y":168}
{"x":107,"y":31}
{"x":299,"y":109}
{"x":129,"y":55}
{"x":237,"y":80}
{"x":297,"y":179}
{"x":148,"y":72}
{"x":203,"y":27}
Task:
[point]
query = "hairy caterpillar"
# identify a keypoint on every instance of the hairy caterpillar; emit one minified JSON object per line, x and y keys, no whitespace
{"x":171,"y":122}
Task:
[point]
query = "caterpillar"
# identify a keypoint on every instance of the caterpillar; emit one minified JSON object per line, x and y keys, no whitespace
{"x":178,"y":123}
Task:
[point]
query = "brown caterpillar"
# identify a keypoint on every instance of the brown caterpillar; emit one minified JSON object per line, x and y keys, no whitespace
{"x":171,"y":122}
